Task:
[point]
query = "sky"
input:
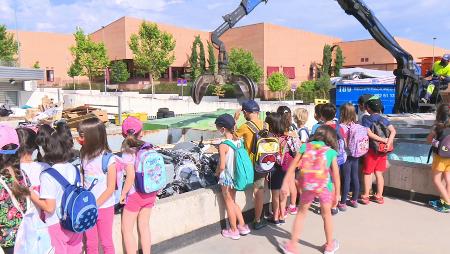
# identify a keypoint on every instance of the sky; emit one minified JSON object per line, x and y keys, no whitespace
{"x":419,"y":20}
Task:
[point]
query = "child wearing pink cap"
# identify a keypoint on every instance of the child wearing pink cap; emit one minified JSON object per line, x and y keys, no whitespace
{"x":138,"y":206}
{"x":12,"y":188}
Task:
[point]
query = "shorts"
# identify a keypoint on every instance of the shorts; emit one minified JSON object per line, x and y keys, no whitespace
{"x":440,"y":164}
{"x":65,"y":241}
{"x":325,"y":197}
{"x":374,"y":162}
{"x":276,"y":179}
{"x":260,"y":181}
{"x":138,"y":201}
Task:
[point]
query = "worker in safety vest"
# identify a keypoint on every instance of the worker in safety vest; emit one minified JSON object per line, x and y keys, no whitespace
{"x":439,"y":76}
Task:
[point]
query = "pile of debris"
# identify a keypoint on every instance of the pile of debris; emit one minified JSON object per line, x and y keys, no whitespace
{"x":74,"y":116}
{"x":48,"y":112}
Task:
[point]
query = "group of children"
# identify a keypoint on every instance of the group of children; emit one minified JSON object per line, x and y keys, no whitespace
{"x":330,"y":139}
{"x":28,"y":155}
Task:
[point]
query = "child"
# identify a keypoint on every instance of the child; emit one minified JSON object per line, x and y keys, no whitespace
{"x":58,"y":151}
{"x":318,"y":117}
{"x":361,"y":106}
{"x":94,"y":144}
{"x":301,"y":117}
{"x":27,"y":140}
{"x":291,"y":130}
{"x":324,"y":141}
{"x":440,"y":166}
{"x":12,"y":180}
{"x":375,"y":162}
{"x":350,"y":169}
{"x":138,"y":206}
{"x":225,"y":124}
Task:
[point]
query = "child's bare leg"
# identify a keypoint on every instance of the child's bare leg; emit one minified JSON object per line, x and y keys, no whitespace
{"x":447,"y":181}
{"x":282,"y":207}
{"x":380,"y":183}
{"x":230,"y":206}
{"x":276,"y":204}
{"x":237,"y":209}
{"x":325,"y":211}
{"x":437,"y":179}
{"x":367,"y":184}
{"x":293,"y":192}
{"x":298,"y":223}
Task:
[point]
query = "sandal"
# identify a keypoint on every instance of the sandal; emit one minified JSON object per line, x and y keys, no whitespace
{"x":365,"y":200}
{"x":379,"y":200}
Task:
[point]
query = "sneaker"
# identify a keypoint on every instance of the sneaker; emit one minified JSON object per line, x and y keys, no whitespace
{"x":228,"y":233}
{"x":334,"y":211}
{"x":352,"y":203}
{"x":292,"y":210}
{"x":282,"y":222}
{"x":243,"y":230}
{"x":342,"y":207}
{"x":424,"y":100}
{"x":276,"y":222}
{"x":445,"y":208}
{"x":435,"y":203}
{"x":287,"y":249}
{"x":364,"y":200}
{"x":379,"y":200}
{"x":316,"y":201}
{"x":257,"y":225}
{"x":331,"y":249}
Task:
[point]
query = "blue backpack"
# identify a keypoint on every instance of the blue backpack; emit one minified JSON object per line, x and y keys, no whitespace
{"x":78,"y":205}
{"x":243,"y":171}
{"x":151,"y":175}
{"x":119,"y":179}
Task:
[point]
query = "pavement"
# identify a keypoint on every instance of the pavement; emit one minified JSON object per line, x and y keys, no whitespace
{"x":396,"y":227}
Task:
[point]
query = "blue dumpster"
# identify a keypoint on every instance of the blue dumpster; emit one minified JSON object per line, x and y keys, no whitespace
{"x":351,"y":90}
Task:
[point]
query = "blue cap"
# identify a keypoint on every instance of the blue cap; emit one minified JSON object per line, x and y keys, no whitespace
{"x":250,"y":106}
{"x":446,"y":57}
{"x":226,"y":121}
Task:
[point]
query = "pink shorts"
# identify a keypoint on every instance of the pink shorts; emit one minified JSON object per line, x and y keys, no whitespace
{"x":65,"y":241}
{"x":325,"y":197}
{"x":138,"y":201}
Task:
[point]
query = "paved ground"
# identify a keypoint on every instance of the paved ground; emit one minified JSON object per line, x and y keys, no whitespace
{"x":396,"y":227}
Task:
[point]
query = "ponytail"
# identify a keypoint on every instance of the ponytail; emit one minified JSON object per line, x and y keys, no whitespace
{"x":10,"y":163}
{"x":131,"y":142}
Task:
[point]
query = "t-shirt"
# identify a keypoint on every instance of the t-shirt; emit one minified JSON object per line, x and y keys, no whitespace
{"x":367,"y":121}
{"x":246,"y":133}
{"x":438,"y":69}
{"x":315,"y":127}
{"x":33,"y":171}
{"x":361,"y":114}
{"x":93,"y":170}
{"x":10,"y":217}
{"x":129,"y":159}
{"x":51,"y":189}
{"x":303,"y":135}
{"x":341,"y":130}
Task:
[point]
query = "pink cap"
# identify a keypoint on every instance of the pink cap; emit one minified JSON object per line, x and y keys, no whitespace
{"x":8,"y":135}
{"x":131,"y":123}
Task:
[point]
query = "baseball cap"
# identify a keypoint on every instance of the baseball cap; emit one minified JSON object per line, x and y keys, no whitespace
{"x":8,"y":135}
{"x":250,"y":106}
{"x":131,"y":125}
{"x":226,"y":121}
{"x":446,"y":57}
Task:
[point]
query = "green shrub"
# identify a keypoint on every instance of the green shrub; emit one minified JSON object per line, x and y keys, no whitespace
{"x":85,"y":86}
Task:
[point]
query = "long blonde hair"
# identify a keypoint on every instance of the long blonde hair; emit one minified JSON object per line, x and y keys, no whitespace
{"x":301,"y":116}
{"x":348,"y":113}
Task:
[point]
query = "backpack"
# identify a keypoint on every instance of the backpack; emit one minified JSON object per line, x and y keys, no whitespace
{"x":381,"y":130}
{"x":79,"y":210}
{"x":151,"y":175}
{"x":443,"y":148}
{"x":264,"y":150}
{"x":287,"y":153}
{"x":300,"y":133}
{"x":315,"y":175}
{"x":342,"y":153}
{"x":243,"y":167}
{"x":119,"y":174}
{"x":357,"y":141}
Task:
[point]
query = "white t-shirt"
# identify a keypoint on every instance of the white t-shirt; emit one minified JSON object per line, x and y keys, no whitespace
{"x":303,"y":135}
{"x":129,"y":159}
{"x":93,"y":170}
{"x":51,"y":189}
{"x":33,"y":171}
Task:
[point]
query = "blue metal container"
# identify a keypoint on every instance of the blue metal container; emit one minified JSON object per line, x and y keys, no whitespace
{"x":347,"y":92}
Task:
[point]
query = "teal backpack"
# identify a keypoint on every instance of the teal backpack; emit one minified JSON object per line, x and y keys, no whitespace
{"x":243,"y":171}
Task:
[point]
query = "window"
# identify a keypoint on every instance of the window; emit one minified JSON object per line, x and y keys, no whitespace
{"x":289,"y":72}
{"x":50,"y":75}
{"x":271,"y":70}
{"x":366,"y":60}
{"x":362,"y":60}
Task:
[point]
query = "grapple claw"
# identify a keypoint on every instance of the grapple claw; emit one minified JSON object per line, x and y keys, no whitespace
{"x":244,"y":88}
{"x":200,"y":87}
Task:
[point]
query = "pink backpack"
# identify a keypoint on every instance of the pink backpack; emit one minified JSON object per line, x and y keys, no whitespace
{"x":357,"y":141}
{"x":287,"y":153}
{"x":315,"y":174}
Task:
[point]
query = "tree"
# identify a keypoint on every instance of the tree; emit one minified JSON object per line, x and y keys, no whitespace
{"x":119,"y":72}
{"x":212,"y":61}
{"x":323,"y":86}
{"x":278,"y":82}
{"x":202,"y":57}
{"x":8,"y":46}
{"x":89,"y":55}
{"x":75,"y":70}
{"x":338,"y":61}
{"x":193,"y":61}
{"x":242,"y":62}
{"x":36,"y":65}
{"x":326,"y":60}
{"x":152,"y":50}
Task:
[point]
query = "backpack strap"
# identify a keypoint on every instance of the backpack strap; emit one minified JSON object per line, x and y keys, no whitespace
{"x":230,"y":144}
{"x":106,"y":157}
{"x":303,"y":129}
{"x":253,"y":127}
{"x":60,"y":179}
{"x":11,"y":196}
{"x":338,"y":133}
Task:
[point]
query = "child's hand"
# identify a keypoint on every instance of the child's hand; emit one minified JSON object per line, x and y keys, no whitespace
{"x":237,"y":114}
{"x":123,"y":198}
{"x":217,"y":174}
{"x":337,"y":199}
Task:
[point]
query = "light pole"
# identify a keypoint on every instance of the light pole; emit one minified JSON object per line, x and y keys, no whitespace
{"x":434,"y":42}
{"x":17,"y":34}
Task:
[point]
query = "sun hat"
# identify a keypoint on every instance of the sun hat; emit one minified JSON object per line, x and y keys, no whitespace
{"x":8,"y":135}
{"x":131,"y":125}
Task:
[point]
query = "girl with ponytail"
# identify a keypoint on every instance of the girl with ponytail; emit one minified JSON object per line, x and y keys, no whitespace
{"x":13,"y":188}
